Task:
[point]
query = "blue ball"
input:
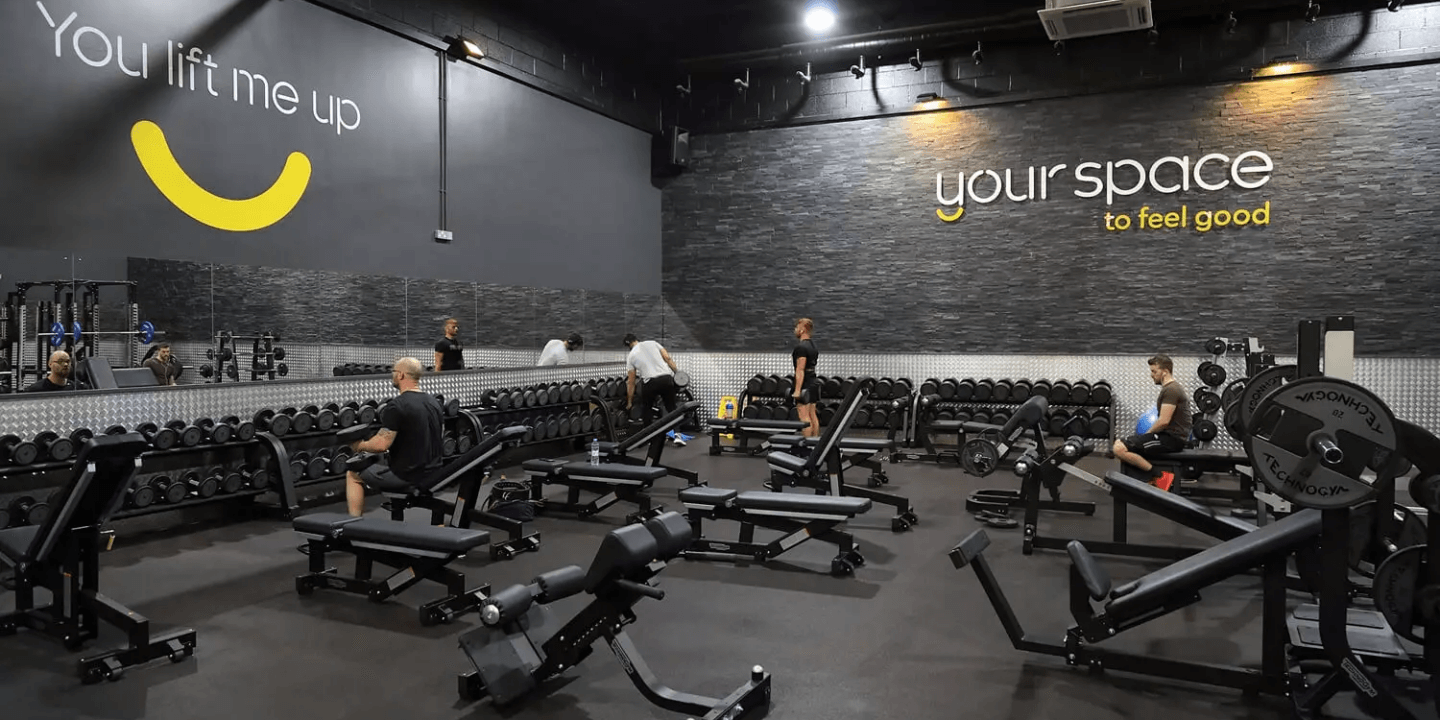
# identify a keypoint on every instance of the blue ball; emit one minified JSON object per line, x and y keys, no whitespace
{"x":1142,"y":425}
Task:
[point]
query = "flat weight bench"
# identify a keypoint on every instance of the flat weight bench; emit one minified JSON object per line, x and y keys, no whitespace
{"x":612,"y":482}
{"x":418,"y":552}
{"x":853,"y":452}
{"x":800,"y":517}
{"x":62,"y":556}
{"x":651,"y":439}
{"x":522,"y":646}
{"x":466,"y":474}
{"x":745,"y":430}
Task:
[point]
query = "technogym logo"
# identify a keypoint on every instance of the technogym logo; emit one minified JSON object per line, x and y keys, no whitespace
{"x":194,"y":72}
{"x":1209,"y":173}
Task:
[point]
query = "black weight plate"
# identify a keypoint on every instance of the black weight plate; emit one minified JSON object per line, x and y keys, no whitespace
{"x":1265,"y":382}
{"x":1425,"y":491}
{"x":552,"y":427}
{"x":142,"y":496}
{"x":303,"y":422}
{"x":587,"y":423}
{"x":464,"y":444}
{"x":24,"y":453}
{"x":346,"y":417}
{"x":447,"y":446}
{"x":564,"y":426}
{"x":1100,"y":393}
{"x":1207,"y":400}
{"x":1396,"y":591}
{"x":367,"y":414}
{"x":164,"y":439}
{"x":316,"y":468}
{"x":338,"y":463}
{"x":63,"y":449}
{"x":175,"y":492}
{"x":979,"y":457}
{"x":208,"y":487}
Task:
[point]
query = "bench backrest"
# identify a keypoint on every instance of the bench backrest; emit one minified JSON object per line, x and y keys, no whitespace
{"x":101,"y":474}
{"x":659,"y":428}
{"x":841,"y":421}
{"x":1030,"y":414}
{"x":623,"y":552}
{"x":474,"y":460}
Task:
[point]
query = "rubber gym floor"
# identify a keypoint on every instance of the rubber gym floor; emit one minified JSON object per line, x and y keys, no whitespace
{"x":908,"y":636}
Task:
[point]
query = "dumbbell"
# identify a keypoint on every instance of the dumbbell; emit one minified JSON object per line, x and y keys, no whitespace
{"x":1211,"y":374}
{"x":1080,"y":393}
{"x":961,"y":415}
{"x":187,"y":435}
{"x":300,"y":420}
{"x":755,"y":385}
{"x":945,"y":414}
{"x":15,"y":451}
{"x":862,"y":418}
{"x":565,"y":423}
{"x":1100,"y":393}
{"x":140,"y":495}
{"x":826,"y":414}
{"x":201,"y":487}
{"x":984,"y":391}
{"x":1078,"y":424}
{"x":1059,"y":393}
{"x":160,"y":438}
{"x":298,"y":463}
{"x":324,"y":418}
{"x":338,"y":459}
{"x":215,"y":433}
{"x":276,"y":424}
{"x":1215,"y":346}
{"x":981,"y":415}
{"x":169,"y":491}
{"x":931,"y":386}
{"x":902,"y":388}
{"x":1000,"y":417}
{"x":831,"y":388}
{"x":257,"y":478}
{"x":447,"y":445}
{"x":26,"y":510}
{"x":770,"y":385}
{"x":1020,"y":391}
{"x":78,"y":436}
{"x":964,"y":391}
{"x":1000,"y":391}
{"x":1059,"y":419}
{"x":947,"y":388}
{"x":1100,"y":423}
{"x":53,"y":447}
{"x":1202,"y":428}
{"x":314,"y":465}
{"x":230,"y":481}
{"x":1040,"y":388}
{"x":243,"y":431}
{"x":882,"y":388}
{"x":751,"y":412}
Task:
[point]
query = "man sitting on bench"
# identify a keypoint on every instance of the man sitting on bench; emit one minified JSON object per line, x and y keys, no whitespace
{"x":411,"y":433}
{"x":1168,"y":433}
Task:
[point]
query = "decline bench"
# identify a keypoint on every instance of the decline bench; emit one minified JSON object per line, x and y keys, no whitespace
{"x":609,"y":481}
{"x":746,"y":429}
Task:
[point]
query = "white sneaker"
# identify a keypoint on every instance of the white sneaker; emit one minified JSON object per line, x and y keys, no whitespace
{"x":678,"y":442}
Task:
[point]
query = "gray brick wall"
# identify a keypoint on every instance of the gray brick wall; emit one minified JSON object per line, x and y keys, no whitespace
{"x":837,"y":221}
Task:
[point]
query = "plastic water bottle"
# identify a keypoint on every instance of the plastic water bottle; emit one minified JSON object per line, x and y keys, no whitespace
{"x":595,"y":451}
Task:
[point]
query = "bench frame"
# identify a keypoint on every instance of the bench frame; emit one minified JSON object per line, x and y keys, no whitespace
{"x":609,"y":492}
{"x":655,"y":445}
{"x":832,"y":482}
{"x":745,"y":434}
{"x":411,"y":566}
{"x":813,"y":526}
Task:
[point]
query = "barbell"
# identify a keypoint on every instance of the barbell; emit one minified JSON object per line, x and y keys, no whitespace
{"x":147,"y":333}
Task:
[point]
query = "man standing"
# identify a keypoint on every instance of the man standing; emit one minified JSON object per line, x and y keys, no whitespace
{"x":59,"y":377}
{"x":656,"y":369}
{"x":411,"y":430}
{"x":162,"y":365}
{"x":557,"y":352}
{"x":449,"y":353}
{"x":1170,"y":431}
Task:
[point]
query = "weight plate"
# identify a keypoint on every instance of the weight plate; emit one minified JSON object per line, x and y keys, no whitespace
{"x":1311,"y":443}
{"x":1396,"y":592}
{"x":979,"y":457}
{"x":324,"y":420}
{"x":1207,"y":400}
{"x":1256,"y":388}
{"x":1232,"y":392}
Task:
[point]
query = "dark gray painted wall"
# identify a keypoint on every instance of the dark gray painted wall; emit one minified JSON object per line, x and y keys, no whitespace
{"x":838,"y":221}
{"x":72,"y":181}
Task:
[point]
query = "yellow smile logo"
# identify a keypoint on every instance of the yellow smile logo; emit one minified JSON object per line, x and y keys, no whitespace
{"x":952,"y":217}
{"x":254,"y":213}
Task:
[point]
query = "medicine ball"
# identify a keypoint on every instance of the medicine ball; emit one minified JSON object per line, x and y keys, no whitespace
{"x":1142,"y":425}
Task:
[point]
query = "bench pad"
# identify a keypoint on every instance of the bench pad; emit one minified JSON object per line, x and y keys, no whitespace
{"x":547,"y":466}
{"x":787,"y":463}
{"x":1204,"y":456}
{"x":322,"y":523}
{"x":826,"y":504}
{"x":415,"y":535}
{"x":15,"y":542}
{"x":1183,"y":510}
{"x":946,"y":425}
{"x":704,"y":495}
{"x":752,"y":424}
{"x":613,"y":471}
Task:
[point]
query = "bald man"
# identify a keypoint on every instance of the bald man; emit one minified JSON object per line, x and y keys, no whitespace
{"x":411,"y":430}
{"x":59,"y":377}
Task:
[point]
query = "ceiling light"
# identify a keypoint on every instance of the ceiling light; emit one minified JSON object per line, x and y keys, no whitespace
{"x":1394,"y":5}
{"x":819,"y":18}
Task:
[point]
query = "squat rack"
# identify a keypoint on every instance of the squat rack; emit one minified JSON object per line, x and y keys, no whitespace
{"x":21,"y":324}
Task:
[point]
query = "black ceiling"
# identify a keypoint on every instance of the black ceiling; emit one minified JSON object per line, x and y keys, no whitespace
{"x":663,"y":35}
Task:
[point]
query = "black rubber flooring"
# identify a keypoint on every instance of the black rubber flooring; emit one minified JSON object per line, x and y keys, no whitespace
{"x":908,"y":636}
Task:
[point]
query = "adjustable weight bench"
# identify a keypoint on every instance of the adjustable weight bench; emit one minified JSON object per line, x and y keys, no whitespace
{"x":853,"y":452}
{"x":62,"y":556}
{"x":417,"y":552}
{"x":466,"y":474}
{"x":613,"y":482}
{"x":1161,"y":592}
{"x":800,"y":517}
{"x":522,"y":645}
{"x":747,"y":429}
{"x":651,"y":440}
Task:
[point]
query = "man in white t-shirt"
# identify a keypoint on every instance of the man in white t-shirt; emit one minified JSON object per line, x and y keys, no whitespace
{"x":557,"y":351}
{"x":656,"y":368}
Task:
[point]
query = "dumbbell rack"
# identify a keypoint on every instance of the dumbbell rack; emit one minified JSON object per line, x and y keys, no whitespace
{"x":1087,"y":418}
{"x":177,"y":461}
{"x":499,"y":408}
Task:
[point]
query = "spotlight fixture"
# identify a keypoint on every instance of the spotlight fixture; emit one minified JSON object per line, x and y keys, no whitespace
{"x":819,"y":17}
{"x":1154,"y":36}
{"x":858,"y":70}
{"x":1312,"y":11}
{"x":927,"y":97}
{"x":1231,"y":23}
{"x":804,"y":76}
{"x":1394,"y":5}
{"x":743,"y":85}
{"x":461,"y":48}
{"x":1284,"y":59}
{"x":979,"y":54}
{"x":684,"y":89}
{"x":915,"y":61}
{"x":1059,"y":47}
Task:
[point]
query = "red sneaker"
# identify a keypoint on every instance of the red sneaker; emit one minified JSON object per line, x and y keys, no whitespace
{"x":1165,"y":480}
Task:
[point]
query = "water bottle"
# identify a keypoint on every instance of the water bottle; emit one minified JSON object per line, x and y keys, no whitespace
{"x":595,"y":451}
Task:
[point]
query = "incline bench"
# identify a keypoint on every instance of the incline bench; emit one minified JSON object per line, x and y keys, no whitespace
{"x":745,"y":430}
{"x":62,"y":556}
{"x":852,"y":452}
{"x":652,"y":440}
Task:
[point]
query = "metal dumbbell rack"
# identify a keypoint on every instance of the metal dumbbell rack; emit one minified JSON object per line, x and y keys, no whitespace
{"x":1072,"y":411}
{"x":549,"y":415}
{"x":67,"y":311}
{"x":265,"y":357}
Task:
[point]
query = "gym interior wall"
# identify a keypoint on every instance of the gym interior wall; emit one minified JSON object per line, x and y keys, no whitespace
{"x":1319,"y":207}
{"x":288,"y":135}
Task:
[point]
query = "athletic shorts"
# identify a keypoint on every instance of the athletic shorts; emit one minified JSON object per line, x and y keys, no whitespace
{"x":1154,"y":444}
{"x":809,"y":393}
{"x":382,"y":478}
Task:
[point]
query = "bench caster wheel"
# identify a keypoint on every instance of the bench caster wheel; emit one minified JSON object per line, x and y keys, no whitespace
{"x":304,"y":587}
{"x":73,"y":642}
{"x":471,"y":687}
{"x":501,"y":553}
{"x":877,"y":479}
{"x":855,"y":558}
{"x":899,"y":524}
{"x":377,"y":596}
{"x":430,"y":617}
{"x":840,"y":567}
{"x":909,"y":516}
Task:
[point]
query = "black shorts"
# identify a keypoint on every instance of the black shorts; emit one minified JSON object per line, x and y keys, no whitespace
{"x":809,"y":393}
{"x":382,"y":478}
{"x":1153,"y":444}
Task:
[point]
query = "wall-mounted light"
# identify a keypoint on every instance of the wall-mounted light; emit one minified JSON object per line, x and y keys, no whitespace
{"x":915,"y":61}
{"x":1281,"y":65}
{"x":804,"y":76}
{"x":927,"y":97}
{"x":979,"y":55}
{"x":819,"y":17}
{"x":1059,"y":47}
{"x":1231,"y":24}
{"x":461,"y":48}
{"x":1394,"y":5}
{"x":684,"y":90}
{"x":858,"y":70}
{"x":743,"y":85}
{"x":1154,"y":35}
{"x":1312,"y":11}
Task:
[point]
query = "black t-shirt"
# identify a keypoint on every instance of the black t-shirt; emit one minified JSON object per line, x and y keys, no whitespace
{"x":807,"y":350}
{"x":451,"y":354}
{"x":418,"y":422}
{"x":44,"y":385}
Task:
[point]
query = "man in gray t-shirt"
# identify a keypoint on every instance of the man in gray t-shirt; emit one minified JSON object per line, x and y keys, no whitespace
{"x":650,"y":362}
{"x":1170,"y":431}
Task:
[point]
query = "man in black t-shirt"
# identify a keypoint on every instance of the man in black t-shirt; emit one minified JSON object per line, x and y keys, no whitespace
{"x":807,"y":389}
{"x":59,"y":377}
{"x":1169,"y":433}
{"x":449,"y":353}
{"x":411,"y":429}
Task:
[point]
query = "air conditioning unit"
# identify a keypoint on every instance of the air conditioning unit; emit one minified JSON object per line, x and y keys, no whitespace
{"x":1065,"y":19}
